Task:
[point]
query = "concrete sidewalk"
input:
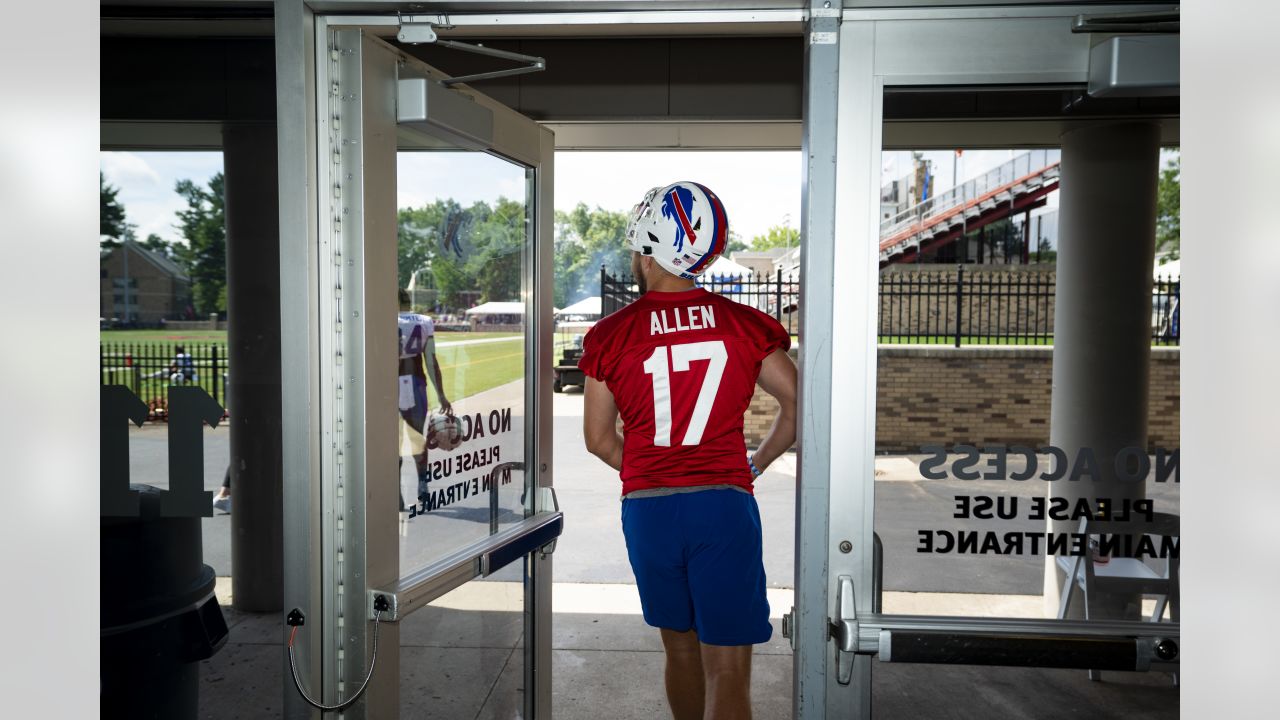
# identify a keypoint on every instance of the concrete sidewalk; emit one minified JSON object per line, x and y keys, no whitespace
{"x":460,"y":657}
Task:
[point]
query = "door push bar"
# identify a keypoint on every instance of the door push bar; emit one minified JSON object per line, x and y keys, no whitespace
{"x":1029,"y":642}
{"x":416,"y":32}
{"x":536,"y":533}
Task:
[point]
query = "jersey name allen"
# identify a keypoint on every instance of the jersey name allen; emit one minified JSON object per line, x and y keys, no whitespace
{"x":669,"y":320}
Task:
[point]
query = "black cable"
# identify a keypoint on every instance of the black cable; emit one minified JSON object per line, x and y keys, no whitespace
{"x":293,"y":668}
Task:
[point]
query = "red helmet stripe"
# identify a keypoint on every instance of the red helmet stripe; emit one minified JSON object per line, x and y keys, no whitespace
{"x":684,"y":219}
{"x":718,"y":236}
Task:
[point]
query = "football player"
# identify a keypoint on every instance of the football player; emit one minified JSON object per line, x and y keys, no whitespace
{"x":680,"y":366}
{"x":417,"y":363}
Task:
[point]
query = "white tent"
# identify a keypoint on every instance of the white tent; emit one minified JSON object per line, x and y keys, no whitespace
{"x":497,"y":308}
{"x":1171,"y":270}
{"x":589,"y":306}
{"x":726,"y":268}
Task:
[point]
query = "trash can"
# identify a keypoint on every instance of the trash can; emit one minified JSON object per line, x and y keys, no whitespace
{"x":160,"y":617}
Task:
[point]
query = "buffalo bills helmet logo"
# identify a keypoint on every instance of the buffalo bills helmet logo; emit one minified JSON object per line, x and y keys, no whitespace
{"x":682,"y":225}
{"x":677,"y":205}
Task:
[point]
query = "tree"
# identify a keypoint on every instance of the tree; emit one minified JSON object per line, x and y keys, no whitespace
{"x":159,"y":246}
{"x":498,"y":236}
{"x":735,"y":243}
{"x":778,"y":236}
{"x":204,"y":257}
{"x":421,"y":232}
{"x":479,"y":248}
{"x":111,"y":215}
{"x":584,"y":240}
{"x":1168,"y":208}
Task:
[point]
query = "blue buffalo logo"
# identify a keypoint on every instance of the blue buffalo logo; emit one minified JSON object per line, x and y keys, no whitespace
{"x":678,"y":205}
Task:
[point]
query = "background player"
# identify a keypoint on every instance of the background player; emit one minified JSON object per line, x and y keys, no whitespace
{"x":680,"y":365}
{"x":417,"y":363}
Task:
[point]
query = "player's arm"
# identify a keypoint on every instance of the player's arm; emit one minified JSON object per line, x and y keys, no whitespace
{"x":433,"y":372}
{"x":600,"y":424}
{"x":778,"y":378}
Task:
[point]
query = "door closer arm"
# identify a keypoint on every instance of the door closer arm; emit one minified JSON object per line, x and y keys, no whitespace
{"x":418,"y":32}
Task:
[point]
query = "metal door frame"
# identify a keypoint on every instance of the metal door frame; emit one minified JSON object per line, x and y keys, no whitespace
{"x":335,"y":85}
{"x":852,"y":55}
{"x":869,"y":50}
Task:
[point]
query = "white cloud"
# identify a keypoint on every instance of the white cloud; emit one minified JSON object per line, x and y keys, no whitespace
{"x":467,"y":177}
{"x":146,"y":181}
{"x":759,"y":189}
{"x":126,"y":168}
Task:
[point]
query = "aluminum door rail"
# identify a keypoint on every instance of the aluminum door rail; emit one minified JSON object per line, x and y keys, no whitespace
{"x":1029,"y":642}
{"x":478,"y":559}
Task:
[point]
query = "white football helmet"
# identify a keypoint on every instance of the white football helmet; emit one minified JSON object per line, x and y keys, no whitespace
{"x":683,"y":226}
{"x":443,"y":429}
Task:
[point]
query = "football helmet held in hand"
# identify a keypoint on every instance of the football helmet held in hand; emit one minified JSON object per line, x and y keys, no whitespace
{"x":443,"y":431}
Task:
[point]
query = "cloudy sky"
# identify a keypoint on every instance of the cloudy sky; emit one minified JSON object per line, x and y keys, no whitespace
{"x":759,"y":189}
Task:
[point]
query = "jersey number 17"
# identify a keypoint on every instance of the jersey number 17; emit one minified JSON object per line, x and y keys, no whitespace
{"x":681,"y":355}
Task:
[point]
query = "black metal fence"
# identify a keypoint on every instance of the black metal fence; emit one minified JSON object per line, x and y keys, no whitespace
{"x":959,"y":307}
{"x":1166,"y":318}
{"x":988,"y":306}
{"x":149,"y":369}
{"x":777,"y":295}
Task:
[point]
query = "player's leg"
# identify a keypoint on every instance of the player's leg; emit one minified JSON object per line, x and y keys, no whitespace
{"x":222,"y":501}
{"x":655,"y":547}
{"x":417,"y":419}
{"x":686,"y":691}
{"x":727,"y":669}
{"x":727,"y":586}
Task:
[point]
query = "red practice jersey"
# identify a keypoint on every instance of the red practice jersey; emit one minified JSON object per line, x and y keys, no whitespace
{"x":682,"y":368}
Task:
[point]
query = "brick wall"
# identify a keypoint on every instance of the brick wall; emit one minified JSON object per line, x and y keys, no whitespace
{"x":154,"y":292}
{"x":979,"y":395}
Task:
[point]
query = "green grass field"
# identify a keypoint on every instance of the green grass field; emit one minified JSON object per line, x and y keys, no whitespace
{"x":471,"y":369}
{"x":173,"y":337}
{"x":162,"y":336}
{"x":467,"y":369}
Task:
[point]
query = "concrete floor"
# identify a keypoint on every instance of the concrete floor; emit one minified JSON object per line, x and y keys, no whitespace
{"x":460,"y":658}
{"x":467,"y":665}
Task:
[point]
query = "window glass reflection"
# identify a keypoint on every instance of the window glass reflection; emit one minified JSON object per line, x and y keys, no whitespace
{"x":463,"y":228}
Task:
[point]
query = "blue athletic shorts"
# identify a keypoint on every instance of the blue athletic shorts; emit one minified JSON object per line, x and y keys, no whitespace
{"x":698,"y":562}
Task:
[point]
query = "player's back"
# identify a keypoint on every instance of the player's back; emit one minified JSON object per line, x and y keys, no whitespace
{"x":415,"y":329}
{"x":682,"y":368}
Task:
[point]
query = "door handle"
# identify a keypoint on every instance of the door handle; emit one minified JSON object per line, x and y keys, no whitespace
{"x":845,"y":630}
{"x":548,"y":502}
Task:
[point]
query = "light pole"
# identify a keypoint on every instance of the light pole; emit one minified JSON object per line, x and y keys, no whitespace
{"x":125,"y":247}
{"x":413,"y":284}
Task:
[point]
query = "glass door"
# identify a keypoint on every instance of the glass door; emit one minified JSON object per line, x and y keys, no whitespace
{"x":976,"y":544}
{"x":433,"y":520}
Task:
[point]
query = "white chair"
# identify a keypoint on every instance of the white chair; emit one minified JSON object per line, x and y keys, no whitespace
{"x":1123,"y":575}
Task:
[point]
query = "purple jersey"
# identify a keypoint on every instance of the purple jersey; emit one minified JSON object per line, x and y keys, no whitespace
{"x":415,"y":331}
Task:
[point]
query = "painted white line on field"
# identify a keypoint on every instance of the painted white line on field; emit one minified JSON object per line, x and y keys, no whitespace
{"x":456,"y":343}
